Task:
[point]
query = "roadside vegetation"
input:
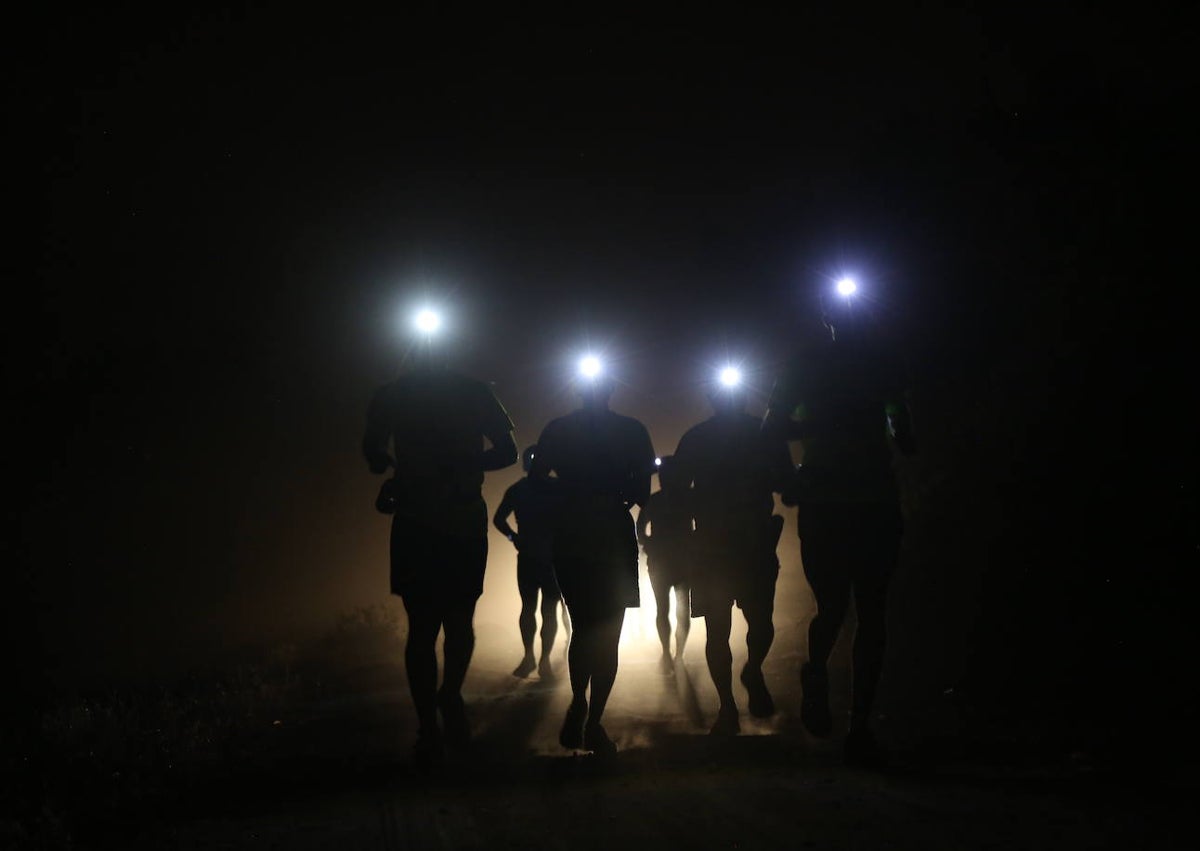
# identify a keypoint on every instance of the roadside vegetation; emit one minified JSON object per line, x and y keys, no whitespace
{"x":104,"y":763}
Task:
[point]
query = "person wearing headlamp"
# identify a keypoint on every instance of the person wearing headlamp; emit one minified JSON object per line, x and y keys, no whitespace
{"x":436,"y":423}
{"x":533,"y":504}
{"x":733,"y":470}
{"x":845,"y":402}
{"x":664,"y":527}
{"x":603,"y":462}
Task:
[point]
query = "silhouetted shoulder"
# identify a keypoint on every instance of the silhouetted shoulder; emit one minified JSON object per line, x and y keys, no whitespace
{"x":516,"y":491}
{"x":634,"y":427}
{"x":581,"y":422}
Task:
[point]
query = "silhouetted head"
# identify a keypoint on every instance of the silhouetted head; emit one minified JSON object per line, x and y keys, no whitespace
{"x":727,"y":391}
{"x":427,"y":357}
{"x":527,"y":457}
{"x":593,"y":383}
{"x":595,"y":394}
{"x":843,"y":312}
{"x":428,"y":348}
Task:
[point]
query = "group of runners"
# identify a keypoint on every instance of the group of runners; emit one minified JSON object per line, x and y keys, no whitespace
{"x":710,"y":532}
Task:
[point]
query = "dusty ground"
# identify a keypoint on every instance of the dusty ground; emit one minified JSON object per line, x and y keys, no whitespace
{"x":335,"y":772}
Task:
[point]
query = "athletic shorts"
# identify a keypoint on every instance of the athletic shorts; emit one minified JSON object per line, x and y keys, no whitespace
{"x":673,"y":569}
{"x":730,"y":571}
{"x":428,"y":563}
{"x":536,"y":574}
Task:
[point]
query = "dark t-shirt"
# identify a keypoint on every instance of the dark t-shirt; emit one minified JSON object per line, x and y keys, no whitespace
{"x":436,"y":422}
{"x":533,"y":505}
{"x":603,"y":462}
{"x":734,"y":469}
{"x":669,"y":516}
{"x":844,"y":393}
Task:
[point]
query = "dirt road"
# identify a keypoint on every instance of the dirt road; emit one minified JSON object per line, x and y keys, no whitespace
{"x":339,"y":775}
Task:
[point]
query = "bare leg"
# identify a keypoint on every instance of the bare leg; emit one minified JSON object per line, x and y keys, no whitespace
{"x":719,"y":622}
{"x":760,"y":634}
{"x":527,"y":622}
{"x":822,"y":556}
{"x":662,"y":620}
{"x":549,"y":633}
{"x":604,"y":664}
{"x":420,"y":663}
{"x":458,"y":647}
{"x":683,"y":619}
{"x":604,"y":674}
{"x":566,"y":622}
{"x":579,"y":670}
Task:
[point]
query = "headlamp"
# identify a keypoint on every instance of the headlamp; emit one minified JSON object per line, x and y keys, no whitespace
{"x":730,"y":377}
{"x":427,"y":321}
{"x":590,"y":366}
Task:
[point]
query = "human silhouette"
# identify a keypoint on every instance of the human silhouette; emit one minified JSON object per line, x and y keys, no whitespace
{"x":845,"y":401}
{"x":603,"y":462}
{"x":664,"y":527}
{"x":436,"y":422}
{"x":733,"y":470}
{"x":533,"y":505}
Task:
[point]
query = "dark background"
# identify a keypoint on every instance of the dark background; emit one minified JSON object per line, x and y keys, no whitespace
{"x":232,"y":212}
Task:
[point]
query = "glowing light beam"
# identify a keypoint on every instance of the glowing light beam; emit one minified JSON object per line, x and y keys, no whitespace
{"x":427,"y":321}
{"x":590,"y":366}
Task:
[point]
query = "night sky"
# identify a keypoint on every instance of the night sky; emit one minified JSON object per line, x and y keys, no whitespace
{"x":235,"y":210}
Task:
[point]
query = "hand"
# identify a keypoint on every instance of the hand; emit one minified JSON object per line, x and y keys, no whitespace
{"x":516,"y":540}
{"x":385,"y":502}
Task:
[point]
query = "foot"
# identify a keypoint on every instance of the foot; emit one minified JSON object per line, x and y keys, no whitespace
{"x":814,"y":706}
{"x":596,"y":740}
{"x":761,"y":704}
{"x":666,"y":666}
{"x":571,"y":734}
{"x":454,"y":718}
{"x":546,"y":670}
{"x":526,"y":667}
{"x":862,"y":750}
{"x":727,"y":723}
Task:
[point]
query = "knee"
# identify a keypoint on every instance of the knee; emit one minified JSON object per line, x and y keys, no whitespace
{"x":717,"y":646}
{"x":460,"y":634}
{"x":760,"y":633}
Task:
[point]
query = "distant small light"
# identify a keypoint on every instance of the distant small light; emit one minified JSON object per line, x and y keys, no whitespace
{"x":657,"y":462}
{"x":590,"y":366}
{"x":846,"y":287}
{"x":730,"y":376}
{"x":427,"y":321}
